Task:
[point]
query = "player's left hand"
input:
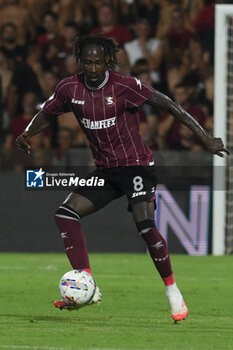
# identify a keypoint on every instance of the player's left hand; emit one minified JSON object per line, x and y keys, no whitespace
{"x":22,"y":142}
{"x":216,"y":146}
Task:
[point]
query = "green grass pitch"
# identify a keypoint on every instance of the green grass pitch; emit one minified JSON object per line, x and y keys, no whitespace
{"x":134,"y":313}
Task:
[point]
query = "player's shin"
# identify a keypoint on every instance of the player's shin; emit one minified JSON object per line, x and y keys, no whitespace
{"x":71,"y":232}
{"x":158,"y":250}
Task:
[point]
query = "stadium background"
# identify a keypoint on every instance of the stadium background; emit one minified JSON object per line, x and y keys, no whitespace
{"x":168,"y":44}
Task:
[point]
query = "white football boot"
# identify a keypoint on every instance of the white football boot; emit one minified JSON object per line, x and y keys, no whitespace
{"x":179,"y":310}
{"x":97,"y":297}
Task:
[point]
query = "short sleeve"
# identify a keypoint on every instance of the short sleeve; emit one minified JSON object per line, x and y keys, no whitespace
{"x":138,"y":92}
{"x":57,"y":104}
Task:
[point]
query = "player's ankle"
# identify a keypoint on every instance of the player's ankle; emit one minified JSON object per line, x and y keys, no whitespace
{"x":87,"y":270}
{"x":168,"y":281}
{"x":172,"y":289}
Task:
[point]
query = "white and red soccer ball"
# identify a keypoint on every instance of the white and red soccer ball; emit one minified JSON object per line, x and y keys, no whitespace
{"x":77,"y":287}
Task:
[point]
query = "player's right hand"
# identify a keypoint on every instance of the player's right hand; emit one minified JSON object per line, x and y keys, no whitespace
{"x":22,"y":142}
{"x":216,"y":146}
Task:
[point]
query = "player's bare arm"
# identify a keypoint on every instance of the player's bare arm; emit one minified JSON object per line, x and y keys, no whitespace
{"x":38,"y":124}
{"x":213,"y":144}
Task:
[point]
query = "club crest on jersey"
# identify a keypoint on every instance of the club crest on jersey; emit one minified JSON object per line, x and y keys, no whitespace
{"x":110,"y":101}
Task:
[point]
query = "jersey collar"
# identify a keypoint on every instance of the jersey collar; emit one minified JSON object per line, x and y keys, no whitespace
{"x":101,"y":85}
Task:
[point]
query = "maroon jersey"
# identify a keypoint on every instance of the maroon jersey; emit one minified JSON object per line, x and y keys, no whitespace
{"x":108,"y":115}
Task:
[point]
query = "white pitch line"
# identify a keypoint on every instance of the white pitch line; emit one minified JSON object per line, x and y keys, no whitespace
{"x":53,"y":268}
{"x":30,"y":347}
{"x":48,"y":267}
{"x":25,"y":347}
{"x":112,"y":349}
{"x":13,"y":268}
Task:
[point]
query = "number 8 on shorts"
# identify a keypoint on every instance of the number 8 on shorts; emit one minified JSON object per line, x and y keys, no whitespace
{"x":138,"y":185}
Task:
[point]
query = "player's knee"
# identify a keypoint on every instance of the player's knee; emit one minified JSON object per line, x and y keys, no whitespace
{"x":145,"y":225}
{"x":79,"y":204}
{"x":66,"y":212}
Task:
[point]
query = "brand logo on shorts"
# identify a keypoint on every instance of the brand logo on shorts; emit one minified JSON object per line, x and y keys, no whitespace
{"x":35,"y":178}
{"x":136,"y":194}
{"x":110,"y":101}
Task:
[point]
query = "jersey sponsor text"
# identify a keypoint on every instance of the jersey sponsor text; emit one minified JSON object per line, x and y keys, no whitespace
{"x":98,"y":124}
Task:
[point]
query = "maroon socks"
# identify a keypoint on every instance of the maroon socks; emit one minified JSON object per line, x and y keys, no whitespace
{"x":69,"y":226}
{"x":157,"y":248}
{"x":68,"y":223}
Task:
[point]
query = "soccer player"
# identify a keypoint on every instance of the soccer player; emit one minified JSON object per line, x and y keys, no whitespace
{"x":105,"y":104}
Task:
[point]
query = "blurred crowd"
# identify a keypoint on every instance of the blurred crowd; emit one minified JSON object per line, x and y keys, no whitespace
{"x":167,"y":43}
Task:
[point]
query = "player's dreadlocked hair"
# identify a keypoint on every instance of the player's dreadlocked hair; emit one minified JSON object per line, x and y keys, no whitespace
{"x":110,"y":47}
